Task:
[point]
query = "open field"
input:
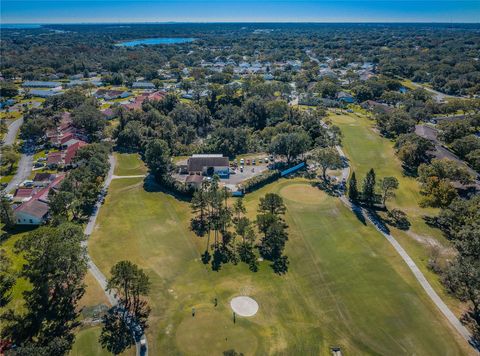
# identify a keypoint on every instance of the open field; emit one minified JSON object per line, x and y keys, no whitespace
{"x":86,"y":344}
{"x":366,"y":149}
{"x":129,"y":164}
{"x":346,"y":285}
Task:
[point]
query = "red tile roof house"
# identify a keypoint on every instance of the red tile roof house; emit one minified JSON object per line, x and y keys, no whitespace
{"x":64,"y":158}
{"x":137,"y":103}
{"x":71,"y":151}
{"x":23,"y":194}
{"x":194,"y":181}
{"x":64,"y":131}
{"x":43,"y":179}
{"x":55,"y":159}
{"x":108,"y":113}
{"x":35,"y":211}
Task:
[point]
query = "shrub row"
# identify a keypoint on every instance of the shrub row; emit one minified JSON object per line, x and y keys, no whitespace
{"x":259,"y":181}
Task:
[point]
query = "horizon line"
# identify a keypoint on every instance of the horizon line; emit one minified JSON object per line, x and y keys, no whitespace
{"x":235,"y":22}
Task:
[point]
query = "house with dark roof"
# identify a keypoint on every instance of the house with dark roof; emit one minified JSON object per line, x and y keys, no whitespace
{"x":376,"y":106}
{"x":209,"y":165}
{"x":43,"y":179}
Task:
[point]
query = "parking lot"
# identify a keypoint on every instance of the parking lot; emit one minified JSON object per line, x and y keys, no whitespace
{"x":237,"y":177}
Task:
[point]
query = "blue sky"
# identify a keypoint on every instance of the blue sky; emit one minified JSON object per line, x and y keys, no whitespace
{"x":67,"y":11}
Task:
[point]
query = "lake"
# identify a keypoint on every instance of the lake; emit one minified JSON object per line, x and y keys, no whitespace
{"x":19,"y":25}
{"x":155,"y":41}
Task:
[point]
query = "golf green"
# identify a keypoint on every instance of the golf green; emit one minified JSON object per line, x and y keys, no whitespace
{"x":345,"y":287}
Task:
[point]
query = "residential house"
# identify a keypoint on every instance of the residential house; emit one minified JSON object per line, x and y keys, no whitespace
{"x":23,"y":194}
{"x":35,"y":211}
{"x":41,"y":84}
{"x":39,"y":93}
{"x":136,"y":104}
{"x":43,"y":179}
{"x":54,"y":160}
{"x":108,"y":113}
{"x":111,"y":94}
{"x":268,"y":76}
{"x":345,"y":97}
{"x":194,"y":181}
{"x":376,"y":106}
{"x":71,"y":151}
{"x":143,"y":85}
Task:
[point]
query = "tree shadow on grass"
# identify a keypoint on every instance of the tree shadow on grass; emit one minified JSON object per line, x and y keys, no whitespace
{"x":377,"y":221}
{"x":152,"y":186}
{"x":358,"y":211}
{"x":328,"y":187}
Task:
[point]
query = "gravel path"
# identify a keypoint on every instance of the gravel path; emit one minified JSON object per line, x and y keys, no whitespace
{"x":92,"y":267}
{"x":453,"y":320}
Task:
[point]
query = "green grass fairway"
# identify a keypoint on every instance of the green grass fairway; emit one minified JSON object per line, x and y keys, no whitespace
{"x":346,"y":285}
{"x":366,"y":149}
{"x":129,"y":164}
{"x":86,"y":344}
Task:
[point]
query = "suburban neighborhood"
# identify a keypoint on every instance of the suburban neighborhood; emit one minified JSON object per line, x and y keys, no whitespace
{"x":240,"y":189}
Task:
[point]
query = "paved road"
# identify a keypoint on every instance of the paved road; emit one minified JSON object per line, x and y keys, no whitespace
{"x":12,"y":131}
{"x":437,"y":96}
{"x":92,"y":267}
{"x":24,"y":169}
{"x":452,"y":319}
{"x":25,"y":164}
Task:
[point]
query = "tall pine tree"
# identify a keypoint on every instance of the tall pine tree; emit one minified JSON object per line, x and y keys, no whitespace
{"x":352,"y":188}
{"x":369,"y":187}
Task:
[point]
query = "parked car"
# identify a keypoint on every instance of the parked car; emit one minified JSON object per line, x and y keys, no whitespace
{"x":253,"y":161}
{"x":241,"y":169}
{"x":27,"y":183}
{"x":242,"y":162}
{"x":248,"y":162}
{"x":266,"y":159}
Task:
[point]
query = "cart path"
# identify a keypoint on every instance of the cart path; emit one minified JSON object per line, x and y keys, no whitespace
{"x":417,"y":273}
{"x":92,"y":267}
